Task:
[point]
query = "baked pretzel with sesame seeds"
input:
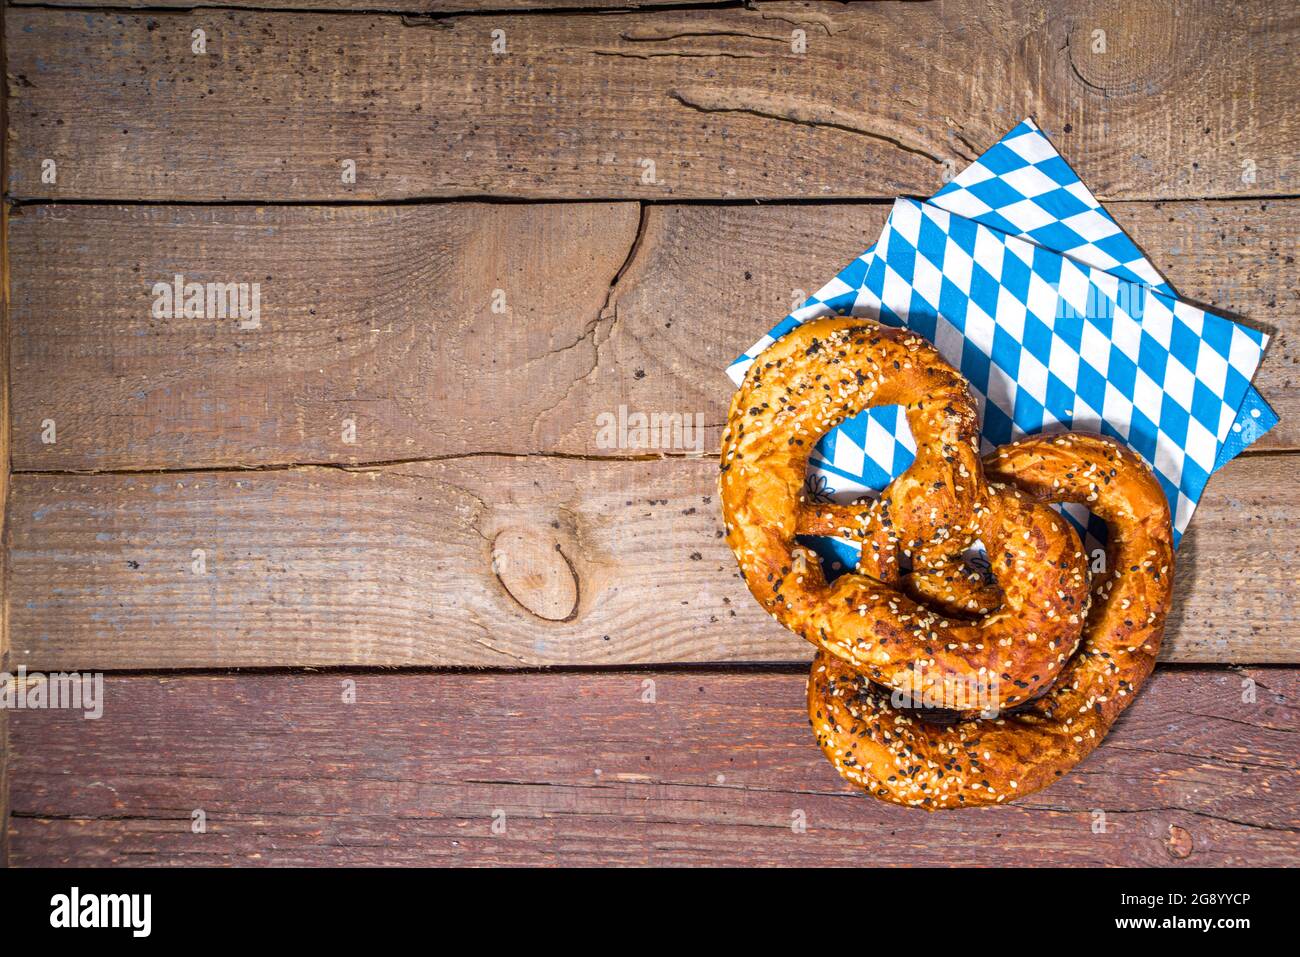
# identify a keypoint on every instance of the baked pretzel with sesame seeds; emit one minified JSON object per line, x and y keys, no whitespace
{"x":811,"y":380}
{"x":901,"y":756}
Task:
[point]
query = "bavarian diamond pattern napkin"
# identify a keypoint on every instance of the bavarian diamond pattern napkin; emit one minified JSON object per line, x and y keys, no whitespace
{"x":1023,"y":187}
{"x":1028,"y":286}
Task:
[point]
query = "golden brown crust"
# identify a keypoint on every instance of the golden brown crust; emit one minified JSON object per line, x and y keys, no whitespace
{"x":896,"y":755}
{"x":893,"y":648}
{"x":954,"y":590}
{"x":811,"y":380}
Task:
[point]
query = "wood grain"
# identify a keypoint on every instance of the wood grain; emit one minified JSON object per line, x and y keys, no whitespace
{"x":474,"y":346}
{"x":385,"y":315}
{"x":616,"y":768}
{"x":380,"y":316}
{"x":432,"y":7}
{"x":1182,"y":99}
{"x":5,"y":466}
{"x":497,"y":561}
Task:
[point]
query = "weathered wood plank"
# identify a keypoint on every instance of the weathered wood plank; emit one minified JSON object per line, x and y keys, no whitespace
{"x":722,"y":102}
{"x":385,"y":315}
{"x":601,"y":562}
{"x":4,"y":789}
{"x":5,"y":465}
{"x":4,"y":498}
{"x":621,"y":768}
{"x":433,"y":7}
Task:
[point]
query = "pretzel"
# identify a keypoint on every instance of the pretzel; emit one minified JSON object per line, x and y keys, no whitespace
{"x":889,"y":643}
{"x":900,"y":757}
{"x":813,"y":379}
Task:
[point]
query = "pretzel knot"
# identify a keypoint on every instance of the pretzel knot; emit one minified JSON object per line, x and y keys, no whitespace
{"x":933,"y":688}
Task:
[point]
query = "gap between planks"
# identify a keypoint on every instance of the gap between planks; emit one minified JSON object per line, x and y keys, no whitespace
{"x":19,"y":204}
{"x":790,"y":668}
{"x":381,"y":464}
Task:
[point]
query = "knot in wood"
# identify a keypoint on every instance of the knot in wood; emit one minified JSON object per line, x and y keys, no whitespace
{"x":533,"y":569}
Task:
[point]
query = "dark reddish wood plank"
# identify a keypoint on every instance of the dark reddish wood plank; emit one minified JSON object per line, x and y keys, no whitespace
{"x":584,"y":770}
{"x":4,"y":788}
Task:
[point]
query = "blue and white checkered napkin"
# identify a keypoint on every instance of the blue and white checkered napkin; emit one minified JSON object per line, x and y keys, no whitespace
{"x":1021,"y":279}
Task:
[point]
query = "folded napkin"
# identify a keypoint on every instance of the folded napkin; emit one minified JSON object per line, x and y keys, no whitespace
{"x":1024,"y":283}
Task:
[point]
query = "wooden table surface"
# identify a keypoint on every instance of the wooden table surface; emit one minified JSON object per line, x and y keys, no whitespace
{"x":366,"y":584}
